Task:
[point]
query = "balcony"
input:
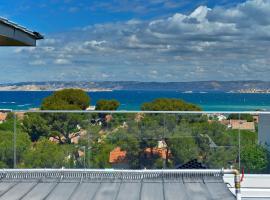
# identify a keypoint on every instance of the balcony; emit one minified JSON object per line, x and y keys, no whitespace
{"x":136,"y":140}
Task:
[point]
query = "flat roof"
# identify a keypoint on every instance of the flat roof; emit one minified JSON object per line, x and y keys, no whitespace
{"x":253,"y":186}
{"x":112,"y":185}
{"x":12,"y":34}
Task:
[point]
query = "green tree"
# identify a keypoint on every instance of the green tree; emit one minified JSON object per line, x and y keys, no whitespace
{"x":36,"y":126}
{"x":104,"y":104}
{"x":23,"y":144}
{"x":166,"y":125}
{"x":62,"y":126}
{"x":167,"y":104}
{"x":222,"y":157}
{"x":254,"y":158}
{"x":67,"y":99}
{"x":45,"y":154}
{"x":127,"y":142}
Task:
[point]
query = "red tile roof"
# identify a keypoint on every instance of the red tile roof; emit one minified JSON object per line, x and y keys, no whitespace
{"x":117,"y":156}
{"x":3,"y":116}
{"x":161,"y":152}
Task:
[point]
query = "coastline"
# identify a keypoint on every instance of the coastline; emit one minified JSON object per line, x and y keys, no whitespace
{"x":132,"y":100}
{"x":52,"y":90}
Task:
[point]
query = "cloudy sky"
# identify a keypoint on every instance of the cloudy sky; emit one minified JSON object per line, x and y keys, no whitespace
{"x":153,"y":40}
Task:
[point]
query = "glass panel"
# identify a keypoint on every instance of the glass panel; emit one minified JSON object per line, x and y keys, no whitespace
{"x":255,"y":155}
{"x":136,"y":140}
{"x":7,"y":124}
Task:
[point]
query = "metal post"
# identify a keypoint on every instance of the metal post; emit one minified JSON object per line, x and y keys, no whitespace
{"x":84,"y":156}
{"x":239,"y":144}
{"x":237,"y":186}
{"x":14,"y":141}
{"x":164,"y":129}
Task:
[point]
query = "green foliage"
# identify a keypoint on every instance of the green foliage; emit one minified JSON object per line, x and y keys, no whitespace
{"x":23,"y":144}
{"x":45,"y":154}
{"x":36,"y":126}
{"x":254,"y":158}
{"x":57,"y":125}
{"x":62,"y":125}
{"x":222,"y":157}
{"x":127,"y":142}
{"x":167,"y":104}
{"x":188,"y":136}
{"x":8,"y":125}
{"x":183,"y":149}
{"x":104,"y":104}
{"x":67,"y":99}
{"x":247,"y":117}
{"x":99,"y":154}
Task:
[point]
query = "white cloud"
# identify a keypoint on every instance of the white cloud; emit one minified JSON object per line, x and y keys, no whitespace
{"x":205,"y":44}
{"x":37,"y":62}
{"x":62,"y":61}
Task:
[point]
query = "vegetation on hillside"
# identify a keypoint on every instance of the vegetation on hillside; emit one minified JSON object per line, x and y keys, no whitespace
{"x":104,"y":104}
{"x":55,"y":140}
{"x":167,"y":104}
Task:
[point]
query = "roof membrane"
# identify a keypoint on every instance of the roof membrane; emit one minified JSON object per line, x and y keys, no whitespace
{"x":112,"y":185}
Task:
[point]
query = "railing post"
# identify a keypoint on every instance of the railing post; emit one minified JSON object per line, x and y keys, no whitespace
{"x":239,"y":144}
{"x":237,"y":186}
{"x":14,"y":141}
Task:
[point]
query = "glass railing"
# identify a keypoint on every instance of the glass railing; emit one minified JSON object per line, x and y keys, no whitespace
{"x":135,"y":140}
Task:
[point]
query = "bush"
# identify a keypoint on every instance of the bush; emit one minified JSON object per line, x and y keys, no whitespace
{"x":67,"y":99}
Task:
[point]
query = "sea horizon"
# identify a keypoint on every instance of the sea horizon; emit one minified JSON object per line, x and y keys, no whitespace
{"x":132,"y":100}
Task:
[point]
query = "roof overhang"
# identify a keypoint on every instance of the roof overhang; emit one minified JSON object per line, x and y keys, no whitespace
{"x":12,"y":34}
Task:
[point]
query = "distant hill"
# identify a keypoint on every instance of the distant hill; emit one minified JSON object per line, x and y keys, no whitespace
{"x":199,"y":86}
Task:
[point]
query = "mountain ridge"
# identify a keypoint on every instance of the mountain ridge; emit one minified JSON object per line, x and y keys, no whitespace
{"x":194,"y":86}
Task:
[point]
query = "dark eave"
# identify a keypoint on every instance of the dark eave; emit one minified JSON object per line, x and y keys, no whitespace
{"x":12,"y":34}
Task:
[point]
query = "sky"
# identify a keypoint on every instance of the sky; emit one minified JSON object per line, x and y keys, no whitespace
{"x":153,"y":40}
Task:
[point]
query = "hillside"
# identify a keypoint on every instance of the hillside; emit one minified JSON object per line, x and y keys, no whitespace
{"x":200,"y":86}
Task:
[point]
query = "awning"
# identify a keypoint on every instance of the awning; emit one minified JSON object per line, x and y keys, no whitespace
{"x":112,"y":185}
{"x":12,"y":34}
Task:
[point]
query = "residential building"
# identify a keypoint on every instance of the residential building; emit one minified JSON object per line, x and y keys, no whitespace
{"x":3,"y":117}
{"x":236,"y":124}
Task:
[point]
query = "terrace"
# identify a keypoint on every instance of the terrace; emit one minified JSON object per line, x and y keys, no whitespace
{"x":76,"y":164}
{"x":137,"y":136}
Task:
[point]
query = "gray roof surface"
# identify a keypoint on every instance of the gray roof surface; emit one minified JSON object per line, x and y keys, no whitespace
{"x":12,"y":34}
{"x":110,"y":185}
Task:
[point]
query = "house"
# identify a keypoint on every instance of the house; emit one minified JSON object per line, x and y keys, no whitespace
{"x":256,"y":118}
{"x":117,"y":156}
{"x":263,"y":130}
{"x":216,"y":117}
{"x":3,"y":117}
{"x":242,"y":125}
{"x":20,"y":115}
{"x":91,"y":108}
{"x":160,"y":150}
{"x":236,"y":124}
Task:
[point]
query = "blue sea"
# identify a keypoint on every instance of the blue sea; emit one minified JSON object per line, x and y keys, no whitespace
{"x":132,"y":100}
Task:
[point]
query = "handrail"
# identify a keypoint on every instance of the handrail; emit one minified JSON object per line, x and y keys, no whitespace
{"x":142,"y":111}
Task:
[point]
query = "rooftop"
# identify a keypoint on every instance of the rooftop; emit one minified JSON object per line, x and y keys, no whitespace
{"x":112,"y":184}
